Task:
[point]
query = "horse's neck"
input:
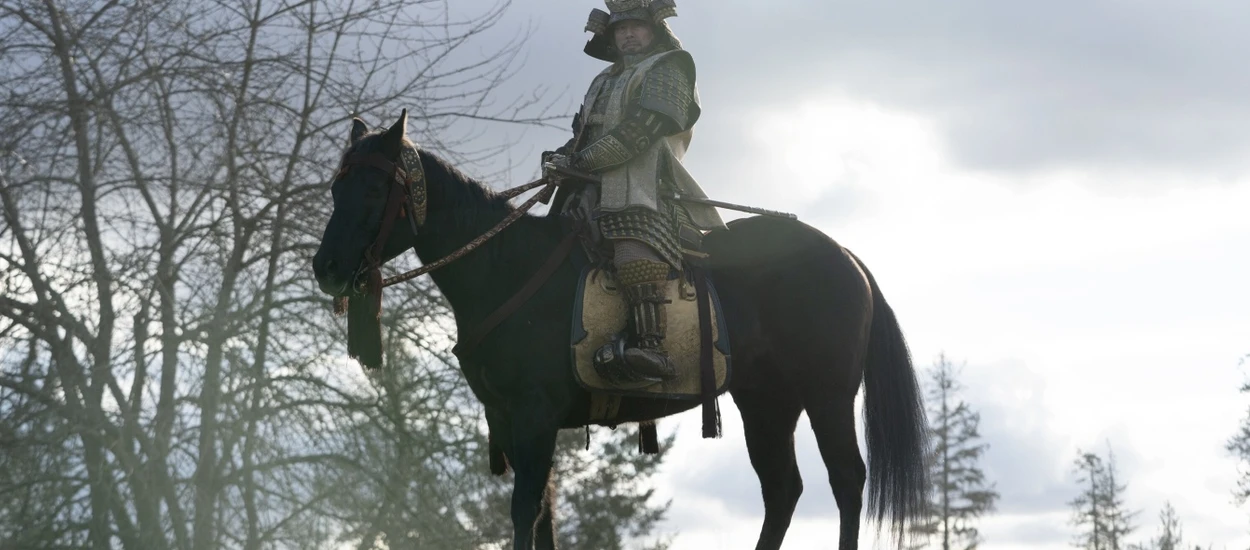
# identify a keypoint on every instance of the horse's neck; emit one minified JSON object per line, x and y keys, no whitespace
{"x":472,"y":284}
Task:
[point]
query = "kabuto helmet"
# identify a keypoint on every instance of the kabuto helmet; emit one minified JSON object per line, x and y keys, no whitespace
{"x":602,"y":45}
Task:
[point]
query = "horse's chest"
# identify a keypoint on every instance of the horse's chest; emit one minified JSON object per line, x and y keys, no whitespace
{"x":487,"y":390}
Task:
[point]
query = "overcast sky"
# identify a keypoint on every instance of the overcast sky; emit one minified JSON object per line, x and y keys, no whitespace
{"x":1056,"y":193}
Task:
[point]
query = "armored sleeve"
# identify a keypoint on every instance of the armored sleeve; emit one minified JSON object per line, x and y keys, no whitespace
{"x":665,"y":106}
{"x":634,"y":135}
{"x":668,"y":89}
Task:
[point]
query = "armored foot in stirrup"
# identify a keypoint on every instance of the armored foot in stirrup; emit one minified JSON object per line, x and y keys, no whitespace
{"x":611,"y":364}
{"x":648,"y":358}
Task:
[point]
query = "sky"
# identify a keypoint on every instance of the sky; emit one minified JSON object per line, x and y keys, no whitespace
{"x":1053,"y":194}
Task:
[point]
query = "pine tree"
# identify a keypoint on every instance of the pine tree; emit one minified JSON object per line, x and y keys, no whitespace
{"x":1087,"y":508}
{"x":1169,"y":532}
{"x":1119,"y":518}
{"x":960,"y":492}
{"x":1239,"y":446}
{"x":1100,"y":510}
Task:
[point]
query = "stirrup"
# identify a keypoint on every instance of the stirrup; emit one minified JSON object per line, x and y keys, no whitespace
{"x":611,"y":365}
{"x":650,"y":362}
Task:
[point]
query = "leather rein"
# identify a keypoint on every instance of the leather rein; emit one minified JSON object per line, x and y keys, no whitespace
{"x":407,"y":198}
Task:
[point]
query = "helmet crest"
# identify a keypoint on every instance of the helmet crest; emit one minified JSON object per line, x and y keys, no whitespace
{"x":650,"y":11}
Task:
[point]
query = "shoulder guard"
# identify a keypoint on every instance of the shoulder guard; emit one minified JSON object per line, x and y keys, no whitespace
{"x":668,"y":89}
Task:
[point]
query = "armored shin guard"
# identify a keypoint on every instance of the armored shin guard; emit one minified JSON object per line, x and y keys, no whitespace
{"x":638,"y":360}
{"x":648,"y":358}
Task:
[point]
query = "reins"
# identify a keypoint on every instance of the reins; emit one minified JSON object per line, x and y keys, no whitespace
{"x":543,"y":196}
{"x":407,"y":197}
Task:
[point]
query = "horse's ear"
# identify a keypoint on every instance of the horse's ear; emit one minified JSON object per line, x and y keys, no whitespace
{"x":393,"y":140}
{"x":359,"y":129}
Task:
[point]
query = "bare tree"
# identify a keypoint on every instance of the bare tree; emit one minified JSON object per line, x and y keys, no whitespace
{"x":169,"y":376}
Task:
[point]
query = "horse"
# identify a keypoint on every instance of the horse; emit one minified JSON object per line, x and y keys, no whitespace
{"x":806,"y":320}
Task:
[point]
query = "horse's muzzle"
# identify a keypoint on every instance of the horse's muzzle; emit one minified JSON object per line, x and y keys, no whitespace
{"x":331,"y":276}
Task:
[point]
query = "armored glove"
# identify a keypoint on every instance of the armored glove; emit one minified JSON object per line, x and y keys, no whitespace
{"x":557,"y":160}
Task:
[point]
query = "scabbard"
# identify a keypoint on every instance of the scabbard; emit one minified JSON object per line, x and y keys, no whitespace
{"x":692,"y":200}
{"x":731,"y":206}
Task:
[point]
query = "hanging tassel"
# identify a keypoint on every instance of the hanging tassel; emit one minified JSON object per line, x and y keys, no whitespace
{"x":364,"y":324}
{"x":340,"y":306}
{"x":648,"y":440}
{"x":711,"y":419}
{"x":707,"y":369}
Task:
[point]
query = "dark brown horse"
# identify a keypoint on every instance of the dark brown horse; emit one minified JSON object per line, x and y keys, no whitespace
{"x":807,"y":326}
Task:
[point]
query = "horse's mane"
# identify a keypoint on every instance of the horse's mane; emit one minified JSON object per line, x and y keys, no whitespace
{"x":465,"y":202}
{"x":465,"y":199}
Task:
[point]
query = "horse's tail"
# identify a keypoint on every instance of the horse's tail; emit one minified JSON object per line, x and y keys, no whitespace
{"x":897,"y":432}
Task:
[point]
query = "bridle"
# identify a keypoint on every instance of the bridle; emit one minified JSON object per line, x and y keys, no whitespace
{"x":408,"y":187}
{"x":408,"y":197}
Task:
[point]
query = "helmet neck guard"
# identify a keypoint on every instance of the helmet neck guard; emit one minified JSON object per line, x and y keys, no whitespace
{"x":602,"y":45}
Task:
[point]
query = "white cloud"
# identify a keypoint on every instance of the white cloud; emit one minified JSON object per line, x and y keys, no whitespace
{"x":1085,"y":316}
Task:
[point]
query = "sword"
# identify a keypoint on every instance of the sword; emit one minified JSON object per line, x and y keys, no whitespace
{"x":732,"y":206}
{"x":693,"y":200}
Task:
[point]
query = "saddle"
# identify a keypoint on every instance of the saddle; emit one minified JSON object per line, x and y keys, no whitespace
{"x":600,"y":312}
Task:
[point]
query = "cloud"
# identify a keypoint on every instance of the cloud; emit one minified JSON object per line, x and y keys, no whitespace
{"x":1010,"y":87}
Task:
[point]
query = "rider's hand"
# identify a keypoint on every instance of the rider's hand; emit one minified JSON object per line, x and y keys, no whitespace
{"x":556,"y":159}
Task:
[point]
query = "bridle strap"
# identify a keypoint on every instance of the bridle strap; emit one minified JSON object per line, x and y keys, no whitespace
{"x":542,"y":196}
{"x":376,"y":160}
{"x":408,"y":194}
{"x":364,"y":333}
{"x":413,"y":196}
{"x":398,"y":196}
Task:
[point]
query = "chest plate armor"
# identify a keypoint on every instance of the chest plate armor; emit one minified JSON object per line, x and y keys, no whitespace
{"x":607,"y":108}
{"x":636,"y":183}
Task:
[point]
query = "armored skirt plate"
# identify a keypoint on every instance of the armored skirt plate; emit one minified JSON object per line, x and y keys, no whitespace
{"x":600,"y":312}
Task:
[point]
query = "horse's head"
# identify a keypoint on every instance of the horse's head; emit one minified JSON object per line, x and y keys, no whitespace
{"x":365,"y":190}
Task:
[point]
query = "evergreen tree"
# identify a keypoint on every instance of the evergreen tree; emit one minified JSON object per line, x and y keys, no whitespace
{"x":1088,"y":514}
{"x":1239,"y":446}
{"x":1169,"y":532}
{"x":960,"y":492}
{"x":1099,"y":511}
{"x":1119,"y":518}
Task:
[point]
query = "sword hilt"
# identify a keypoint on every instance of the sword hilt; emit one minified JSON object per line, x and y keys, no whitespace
{"x":571,"y":172}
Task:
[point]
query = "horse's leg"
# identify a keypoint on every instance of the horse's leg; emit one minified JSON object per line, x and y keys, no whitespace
{"x":533,"y":447}
{"x":827,"y":349}
{"x":545,"y":527}
{"x":769,"y":415}
{"x":833,"y":420}
{"x":496,"y":426}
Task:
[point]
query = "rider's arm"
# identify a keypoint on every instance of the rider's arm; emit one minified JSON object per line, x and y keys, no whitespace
{"x":633,"y":136}
{"x":661,"y":110}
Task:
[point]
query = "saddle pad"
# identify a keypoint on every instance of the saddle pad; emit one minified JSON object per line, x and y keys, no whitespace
{"x":600,"y":311}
